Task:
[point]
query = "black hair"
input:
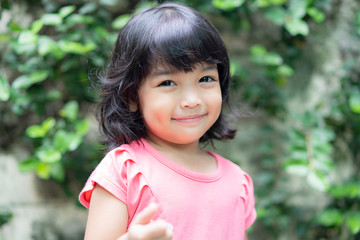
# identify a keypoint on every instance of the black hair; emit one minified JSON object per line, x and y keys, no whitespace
{"x":170,"y":34}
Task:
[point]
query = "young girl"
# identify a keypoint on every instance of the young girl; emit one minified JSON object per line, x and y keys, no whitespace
{"x":161,"y":97}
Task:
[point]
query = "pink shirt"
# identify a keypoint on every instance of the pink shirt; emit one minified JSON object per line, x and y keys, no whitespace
{"x":199,"y":206}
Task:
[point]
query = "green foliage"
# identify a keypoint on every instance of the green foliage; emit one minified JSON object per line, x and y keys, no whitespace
{"x":5,"y":217}
{"x":51,"y":60}
{"x":53,"y":139}
{"x":310,"y":151}
{"x":49,"y":93}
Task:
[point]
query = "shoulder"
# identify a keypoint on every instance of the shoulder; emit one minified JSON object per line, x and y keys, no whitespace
{"x":227,"y":164}
{"x":232,"y":169}
{"x":124,"y":153}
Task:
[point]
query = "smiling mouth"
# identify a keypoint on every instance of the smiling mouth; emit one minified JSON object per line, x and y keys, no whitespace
{"x":189,"y":119}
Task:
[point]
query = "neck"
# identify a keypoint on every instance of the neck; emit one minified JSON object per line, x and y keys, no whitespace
{"x":164,"y":146}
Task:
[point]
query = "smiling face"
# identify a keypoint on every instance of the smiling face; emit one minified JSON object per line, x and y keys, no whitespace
{"x":179,"y":107}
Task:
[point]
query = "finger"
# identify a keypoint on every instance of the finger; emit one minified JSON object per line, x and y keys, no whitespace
{"x":146,"y":214}
{"x":154,"y":230}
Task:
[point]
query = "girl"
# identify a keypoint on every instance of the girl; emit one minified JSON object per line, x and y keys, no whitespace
{"x":161,"y":97}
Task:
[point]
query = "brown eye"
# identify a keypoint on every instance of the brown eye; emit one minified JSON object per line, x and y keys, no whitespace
{"x":206,"y":79}
{"x":166,"y":83}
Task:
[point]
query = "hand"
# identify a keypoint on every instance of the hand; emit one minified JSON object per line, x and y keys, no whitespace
{"x":142,"y":228}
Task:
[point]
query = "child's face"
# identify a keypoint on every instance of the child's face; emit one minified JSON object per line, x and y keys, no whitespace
{"x":180,"y":107}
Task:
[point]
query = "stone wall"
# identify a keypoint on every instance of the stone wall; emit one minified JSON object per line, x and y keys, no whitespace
{"x":40,"y":209}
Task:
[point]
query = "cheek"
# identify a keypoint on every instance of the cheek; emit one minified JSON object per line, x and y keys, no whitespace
{"x":155,"y":109}
{"x":215,"y":101}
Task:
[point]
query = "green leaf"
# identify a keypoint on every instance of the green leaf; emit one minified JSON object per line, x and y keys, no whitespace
{"x":26,"y":81}
{"x":5,"y":37}
{"x":78,"y":19}
{"x":297,"y":168}
{"x":109,"y":3}
{"x":276,"y":15}
{"x":27,"y":37}
{"x":45,"y":45}
{"x":233,"y":67}
{"x":317,"y":15}
{"x":48,"y":124}
{"x":354,"y":101}
{"x":316,"y":181}
{"x":14,"y":26}
{"x":296,"y":26}
{"x":142,"y":5}
{"x":48,"y":155}
{"x":43,"y":171}
{"x":57,"y":171}
{"x":61,"y":142}
{"x":5,"y":217}
{"x":272,"y":59}
{"x":266,"y":3}
{"x":285,"y":70}
{"x":300,"y":154}
{"x":36,"y":26}
{"x":4,"y":89}
{"x":227,"y":5}
{"x":65,"y":141}
{"x":51,"y":19}
{"x":5,"y":5}
{"x":346,"y":190}
{"x":30,"y":164}
{"x":82,"y":127}
{"x":330,"y":217}
{"x":53,"y":95}
{"x":353,"y":222}
{"x":74,"y":141}
{"x":70,"y":110}
{"x":75,"y":47}
{"x":297,"y":9}
{"x":66,"y":11}
{"x":35,"y":131}
{"x":321,"y":136}
{"x":258,"y":50}
{"x":38,"y":131}
{"x":120,"y":21}
{"x":88,"y":8}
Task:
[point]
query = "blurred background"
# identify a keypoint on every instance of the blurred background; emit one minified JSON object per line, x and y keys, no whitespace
{"x":295,"y":67}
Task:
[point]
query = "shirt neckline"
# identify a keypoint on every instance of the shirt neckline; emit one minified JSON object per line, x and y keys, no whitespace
{"x":200,"y":177}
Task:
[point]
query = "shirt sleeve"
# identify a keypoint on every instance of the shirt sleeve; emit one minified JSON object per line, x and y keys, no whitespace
{"x":250,"y":211}
{"x":109,"y":174}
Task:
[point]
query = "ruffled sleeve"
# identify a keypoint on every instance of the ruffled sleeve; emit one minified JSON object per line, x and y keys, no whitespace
{"x":109,"y":175}
{"x":249,"y":200}
{"x":119,"y":174}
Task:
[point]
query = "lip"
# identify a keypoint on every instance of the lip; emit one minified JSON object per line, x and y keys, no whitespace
{"x":190,"y":118}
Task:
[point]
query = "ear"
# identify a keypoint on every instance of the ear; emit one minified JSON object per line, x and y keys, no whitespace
{"x":133,"y":107}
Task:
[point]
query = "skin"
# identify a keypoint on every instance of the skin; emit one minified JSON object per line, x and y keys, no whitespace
{"x":178,"y":108}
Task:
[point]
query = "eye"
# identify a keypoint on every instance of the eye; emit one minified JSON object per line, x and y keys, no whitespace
{"x":207,"y":79}
{"x":166,"y":83}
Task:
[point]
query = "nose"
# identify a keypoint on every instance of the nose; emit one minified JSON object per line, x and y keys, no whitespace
{"x":190,"y":98}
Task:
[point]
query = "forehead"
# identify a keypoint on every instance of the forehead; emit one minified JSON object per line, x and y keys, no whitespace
{"x":166,"y":69}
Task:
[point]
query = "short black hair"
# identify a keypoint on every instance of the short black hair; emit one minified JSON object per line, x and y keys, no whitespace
{"x":171,"y":34}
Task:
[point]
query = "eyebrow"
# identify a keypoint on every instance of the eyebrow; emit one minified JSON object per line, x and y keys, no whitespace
{"x":162,"y":71}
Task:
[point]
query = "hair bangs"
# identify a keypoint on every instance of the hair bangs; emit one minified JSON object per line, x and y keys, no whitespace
{"x":178,"y":43}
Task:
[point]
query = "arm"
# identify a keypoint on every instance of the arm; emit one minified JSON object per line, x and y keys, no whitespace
{"x":108,"y":216}
{"x":108,"y":220}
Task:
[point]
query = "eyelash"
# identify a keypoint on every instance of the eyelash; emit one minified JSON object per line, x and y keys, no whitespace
{"x":210,"y":79}
{"x":166,"y":83}
{"x":169,"y":83}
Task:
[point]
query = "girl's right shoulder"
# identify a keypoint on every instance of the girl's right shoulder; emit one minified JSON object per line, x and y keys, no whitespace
{"x":123,"y":153}
{"x":112,"y":174}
